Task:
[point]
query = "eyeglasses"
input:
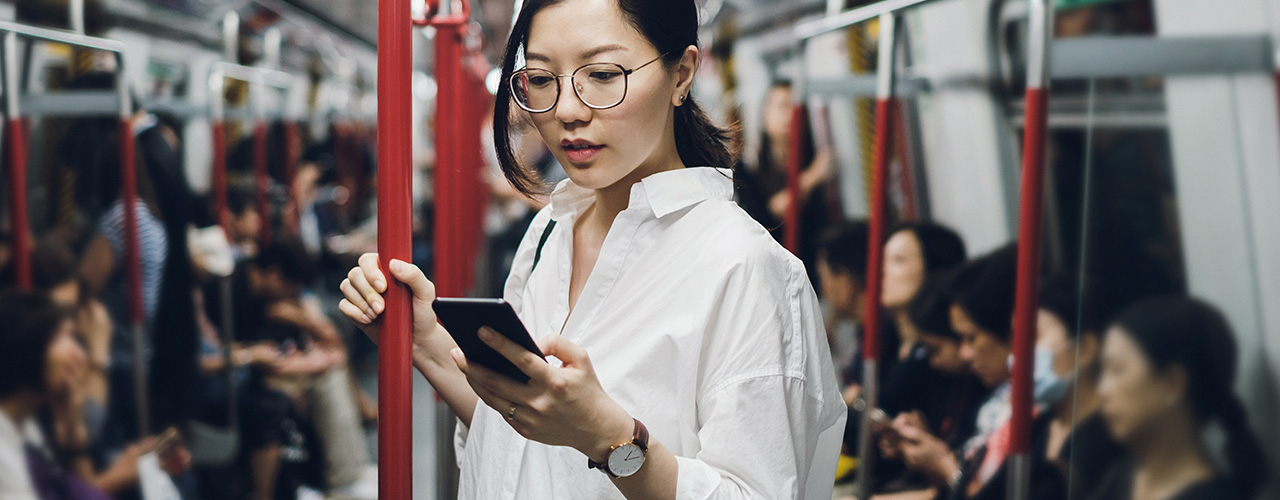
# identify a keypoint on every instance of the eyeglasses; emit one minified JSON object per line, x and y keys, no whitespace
{"x":603,"y":86}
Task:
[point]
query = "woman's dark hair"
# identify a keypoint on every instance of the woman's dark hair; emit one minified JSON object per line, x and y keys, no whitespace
{"x":52,"y":265}
{"x":989,"y":300}
{"x":1076,"y":307}
{"x":30,"y":321}
{"x":1190,"y":333}
{"x":844,"y":247}
{"x":671,"y":26}
{"x":941,"y":247}
{"x":930,"y":310}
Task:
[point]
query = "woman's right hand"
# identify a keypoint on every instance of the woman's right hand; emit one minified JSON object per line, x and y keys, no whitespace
{"x":363,"y":301}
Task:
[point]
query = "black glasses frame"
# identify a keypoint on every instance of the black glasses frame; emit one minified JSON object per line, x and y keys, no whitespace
{"x":626,"y":84}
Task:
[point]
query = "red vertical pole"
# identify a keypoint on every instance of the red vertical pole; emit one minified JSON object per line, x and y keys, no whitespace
{"x":18,"y":202}
{"x":17,"y":178}
{"x":875,"y":249}
{"x":219,"y":187}
{"x":292,"y":151}
{"x":795,"y":155}
{"x":449,"y":226}
{"x":262,"y":181}
{"x":1030,"y":217}
{"x":395,"y":213}
{"x":129,"y":196}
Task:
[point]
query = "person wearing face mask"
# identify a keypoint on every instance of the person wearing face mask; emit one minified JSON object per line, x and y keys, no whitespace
{"x":1067,"y":367}
{"x":1168,"y":369}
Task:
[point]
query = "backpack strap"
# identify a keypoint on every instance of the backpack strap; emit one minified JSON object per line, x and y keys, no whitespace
{"x":537,"y":255}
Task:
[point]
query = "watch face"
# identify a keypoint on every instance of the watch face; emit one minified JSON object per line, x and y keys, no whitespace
{"x":626,"y":460}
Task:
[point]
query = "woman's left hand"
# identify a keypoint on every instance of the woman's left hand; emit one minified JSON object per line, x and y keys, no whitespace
{"x":560,"y":406}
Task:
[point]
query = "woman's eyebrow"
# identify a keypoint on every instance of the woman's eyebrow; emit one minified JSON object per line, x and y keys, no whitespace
{"x":587,"y":54}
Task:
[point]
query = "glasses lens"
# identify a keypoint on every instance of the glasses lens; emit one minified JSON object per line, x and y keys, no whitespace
{"x":535,"y":89}
{"x":601,"y":85}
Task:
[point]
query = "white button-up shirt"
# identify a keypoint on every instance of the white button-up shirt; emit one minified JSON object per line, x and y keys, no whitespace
{"x":15,"y":474}
{"x":700,"y":325}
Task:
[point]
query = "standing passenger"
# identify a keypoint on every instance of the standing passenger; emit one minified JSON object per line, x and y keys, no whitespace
{"x":666,"y":307}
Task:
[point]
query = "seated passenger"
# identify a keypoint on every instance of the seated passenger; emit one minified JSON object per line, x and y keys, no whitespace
{"x":312,"y":368}
{"x":1168,"y":369}
{"x":842,"y":278}
{"x":40,"y":367}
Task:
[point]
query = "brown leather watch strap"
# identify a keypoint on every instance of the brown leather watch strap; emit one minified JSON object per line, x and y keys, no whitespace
{"x":639,"y":437}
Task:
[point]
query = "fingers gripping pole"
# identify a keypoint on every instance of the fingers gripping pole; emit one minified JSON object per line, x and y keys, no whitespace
{"x":1029,"y":221}
{"x":395,"y":430}
{"x":875,"y":247}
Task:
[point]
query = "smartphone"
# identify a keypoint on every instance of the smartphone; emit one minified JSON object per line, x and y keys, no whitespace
{"x":463,"y":319}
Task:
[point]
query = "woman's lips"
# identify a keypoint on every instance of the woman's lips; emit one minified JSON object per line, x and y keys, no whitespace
{"x":582,"y":154}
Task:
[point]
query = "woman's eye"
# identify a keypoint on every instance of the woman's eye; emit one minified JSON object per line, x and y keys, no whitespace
{"x":540,"y":81}
{"x":604,"y":76}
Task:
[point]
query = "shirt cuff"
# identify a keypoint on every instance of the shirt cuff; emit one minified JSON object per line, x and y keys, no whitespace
{"x":460,"y":433}
{"x":695,"y":479}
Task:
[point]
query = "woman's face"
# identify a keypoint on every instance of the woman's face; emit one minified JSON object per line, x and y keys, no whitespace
{"x":777,"y":115}
{"x":66,"y":362}
{"x":628,"y":141}
{"x":1133,"y":393}
{"x":903,"y":270}
{"x":986,"y":355}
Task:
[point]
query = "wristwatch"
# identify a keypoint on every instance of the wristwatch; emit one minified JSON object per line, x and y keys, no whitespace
{"x":625,"y":459}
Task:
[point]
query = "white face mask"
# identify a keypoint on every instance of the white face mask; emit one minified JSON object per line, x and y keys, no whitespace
{"x":1049,"y":388}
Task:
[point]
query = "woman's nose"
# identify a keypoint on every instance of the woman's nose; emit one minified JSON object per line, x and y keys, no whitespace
{"x":569,"y":108}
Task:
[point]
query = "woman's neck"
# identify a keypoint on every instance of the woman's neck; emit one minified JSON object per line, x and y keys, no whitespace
{"x":907,"y":333}
{"x":613,"y":199}
{"x":1171,"y":458}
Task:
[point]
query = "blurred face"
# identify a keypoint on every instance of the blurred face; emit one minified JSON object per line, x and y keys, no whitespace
{"x":985,"y":354}
{"x":1052,"y":335}
{"x":840,"y":290}
{"x":944,"y":354}
{"x":600,"y":148}
{"x":777,"y":115}
{"x":1134,"y":395}
{"x":245,"y":225}
{"x":66,"y":362}
{"x":903,"y":270}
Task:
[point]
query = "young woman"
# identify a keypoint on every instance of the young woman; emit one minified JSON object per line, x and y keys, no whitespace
{"x":1168,"y":369}
{"x":681,"y":332}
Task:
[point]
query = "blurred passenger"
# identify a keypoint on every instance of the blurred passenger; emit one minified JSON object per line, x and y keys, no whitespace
{"x":842,"y":277}
{"x":244,"y":223}
{"x":312,"y":368}
{"x":982,"y":315}
{"x":1068,"y":364}
{"x":40,"y":366}
{"x":1168,"y":370}
{"x":762,"y":187}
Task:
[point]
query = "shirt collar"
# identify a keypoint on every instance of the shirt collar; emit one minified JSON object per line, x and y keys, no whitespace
{"x":664,"y":192}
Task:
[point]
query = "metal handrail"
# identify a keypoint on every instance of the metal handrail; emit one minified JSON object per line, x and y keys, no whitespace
{"x":805,"y":31}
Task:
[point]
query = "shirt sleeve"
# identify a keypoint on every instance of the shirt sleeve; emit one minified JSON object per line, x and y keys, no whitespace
{"x":770,"y":420}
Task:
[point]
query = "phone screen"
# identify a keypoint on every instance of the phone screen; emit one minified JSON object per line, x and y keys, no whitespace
{"x":463,"y":319}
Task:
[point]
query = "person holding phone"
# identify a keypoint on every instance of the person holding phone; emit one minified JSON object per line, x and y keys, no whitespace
{"x":685,"y":348}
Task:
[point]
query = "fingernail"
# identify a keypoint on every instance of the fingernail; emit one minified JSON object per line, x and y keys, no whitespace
{"x":486,"y":334}
{"x":396,"y":264}
{"x":366,"y":318}
{"x":379,"y":284}
{"x":377,"y":306}
{"x":456,"y":354}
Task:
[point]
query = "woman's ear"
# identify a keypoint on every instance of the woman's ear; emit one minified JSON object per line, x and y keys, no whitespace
{"x":1175,"y":383}
{"x":685,"y":69}
{"x":1088,"y":349}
